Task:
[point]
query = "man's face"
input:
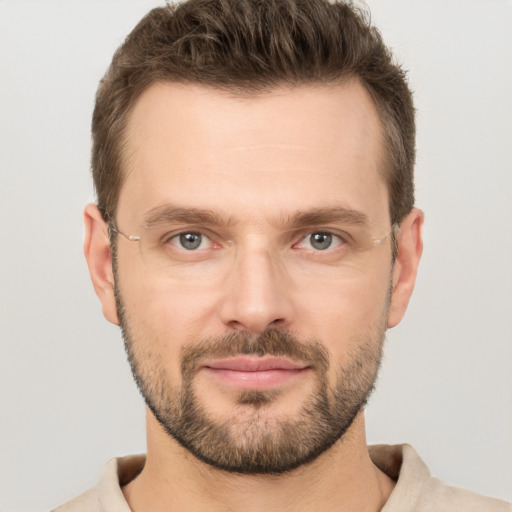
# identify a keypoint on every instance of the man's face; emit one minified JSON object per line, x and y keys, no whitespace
{"x":255,"y":303}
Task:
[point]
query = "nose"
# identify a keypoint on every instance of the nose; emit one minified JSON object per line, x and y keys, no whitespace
{"x":257,"y":293}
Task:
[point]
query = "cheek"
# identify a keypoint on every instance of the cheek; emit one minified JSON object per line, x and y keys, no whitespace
{"x":168,"y":314}
{"x":346,"y":313}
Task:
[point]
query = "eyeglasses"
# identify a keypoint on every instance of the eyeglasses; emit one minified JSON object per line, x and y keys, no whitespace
{"x":168,"y":245}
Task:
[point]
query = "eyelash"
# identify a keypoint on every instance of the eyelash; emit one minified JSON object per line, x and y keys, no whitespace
{"x":176,"y":237}
{"x":336,"y":239}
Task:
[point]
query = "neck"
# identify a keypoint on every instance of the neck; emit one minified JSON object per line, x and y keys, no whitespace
{"x":343,"y":479}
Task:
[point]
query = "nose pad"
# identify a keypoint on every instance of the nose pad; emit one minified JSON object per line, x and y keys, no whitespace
{"x":256,"y":295}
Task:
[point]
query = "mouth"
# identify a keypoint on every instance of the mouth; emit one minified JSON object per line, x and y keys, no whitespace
{"x":249,"y":373}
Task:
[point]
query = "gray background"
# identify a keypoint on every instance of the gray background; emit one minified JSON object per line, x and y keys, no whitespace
{"x":67,"y":400}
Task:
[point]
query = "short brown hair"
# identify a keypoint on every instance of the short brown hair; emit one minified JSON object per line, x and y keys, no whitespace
{"x":251,"y":46}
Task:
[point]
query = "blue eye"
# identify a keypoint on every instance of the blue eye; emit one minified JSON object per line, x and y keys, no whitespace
{"x":320,"y":241}
{"x":190,"y":241}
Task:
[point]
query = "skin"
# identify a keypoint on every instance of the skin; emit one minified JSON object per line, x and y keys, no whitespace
{"x":255,"y":160}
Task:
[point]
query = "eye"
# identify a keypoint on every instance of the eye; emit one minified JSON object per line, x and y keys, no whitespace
{"x":190,"y":241}
{"x":320,"y":241}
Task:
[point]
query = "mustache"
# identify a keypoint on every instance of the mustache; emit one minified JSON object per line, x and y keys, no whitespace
{"x":271,"y":342}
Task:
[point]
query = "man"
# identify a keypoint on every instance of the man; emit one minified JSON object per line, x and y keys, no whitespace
{"x":255,"y":236}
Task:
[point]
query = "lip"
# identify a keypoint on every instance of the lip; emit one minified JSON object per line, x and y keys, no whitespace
{"x":251,"y":364}
{"x":254,"y":373}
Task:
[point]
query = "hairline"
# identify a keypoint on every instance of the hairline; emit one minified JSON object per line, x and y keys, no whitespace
{"x":386,"y":125}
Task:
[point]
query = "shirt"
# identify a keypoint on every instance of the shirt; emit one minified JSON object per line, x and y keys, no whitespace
{"x":415,"y":491}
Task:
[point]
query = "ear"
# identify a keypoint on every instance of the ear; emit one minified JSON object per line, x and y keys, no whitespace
{"x":99,"y":260}
{"x":410,"y":247}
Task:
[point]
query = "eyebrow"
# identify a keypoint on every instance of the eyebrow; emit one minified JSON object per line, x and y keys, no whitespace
{"x":168,"y":214}
{"x":319,"y":216}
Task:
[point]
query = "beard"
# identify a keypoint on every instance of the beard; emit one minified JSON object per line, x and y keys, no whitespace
{"x":251,"y":440}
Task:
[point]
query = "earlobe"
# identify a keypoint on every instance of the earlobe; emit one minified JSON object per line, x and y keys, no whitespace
{"x":410,"y":247}
{"x":99,"y":260}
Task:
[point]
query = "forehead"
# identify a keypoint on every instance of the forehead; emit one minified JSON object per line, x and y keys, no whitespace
{"x":288,"y":148}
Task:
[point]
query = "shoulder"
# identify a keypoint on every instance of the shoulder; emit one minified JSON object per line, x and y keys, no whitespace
{"x":439,"y":496}
{"x":87,"y":501}
{"x":107,"y":495}
{"x":416,"y":490}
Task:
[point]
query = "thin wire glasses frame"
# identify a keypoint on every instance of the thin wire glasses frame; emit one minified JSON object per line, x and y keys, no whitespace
{"x":112,"y":229}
